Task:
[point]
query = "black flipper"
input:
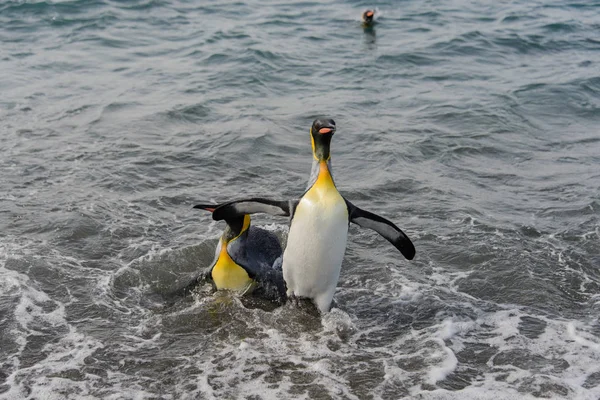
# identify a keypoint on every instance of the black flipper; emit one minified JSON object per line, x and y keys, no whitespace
{"x":384,"y":227}
{"x":237,"y":208}
{"x":207,"y":207}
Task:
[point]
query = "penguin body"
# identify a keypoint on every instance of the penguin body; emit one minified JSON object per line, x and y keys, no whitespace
{"x":247,"y":259}
{"x":318,"y":226}
{"x":317,"y":237}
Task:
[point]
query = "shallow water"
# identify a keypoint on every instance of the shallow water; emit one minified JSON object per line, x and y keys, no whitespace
{"x":474,"y":127}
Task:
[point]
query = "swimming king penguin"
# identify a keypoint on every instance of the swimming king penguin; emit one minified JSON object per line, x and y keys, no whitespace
{"x":368,"y":17}
{"x":247,"y":259}
{"x":318,"y":227}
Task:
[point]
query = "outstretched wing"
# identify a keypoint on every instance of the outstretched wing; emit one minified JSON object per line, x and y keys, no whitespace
{"x":252,"y":206}
{"x":384,"y":227}
{"x":207,"y":207}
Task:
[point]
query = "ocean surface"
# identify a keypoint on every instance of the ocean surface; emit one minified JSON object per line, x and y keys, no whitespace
{"x":474,"y":126}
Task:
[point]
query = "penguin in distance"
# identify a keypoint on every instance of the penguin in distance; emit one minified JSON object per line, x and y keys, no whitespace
{"x":368,"y":18}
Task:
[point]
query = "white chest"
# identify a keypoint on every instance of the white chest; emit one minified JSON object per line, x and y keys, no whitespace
{"x":316,"y":244}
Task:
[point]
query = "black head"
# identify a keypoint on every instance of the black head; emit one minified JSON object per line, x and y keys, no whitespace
{"x":321,"y":132}
{"x":368,"y":16}
{"x":236,"y":226}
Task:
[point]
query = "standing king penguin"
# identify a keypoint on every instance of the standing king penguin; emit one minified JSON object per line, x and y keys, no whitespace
{"x":319,"y":221}
{"x":247,"y":259}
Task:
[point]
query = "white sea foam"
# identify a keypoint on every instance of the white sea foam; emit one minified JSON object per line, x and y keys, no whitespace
{"x":447,"y":366}
{"x":579,"y":337}
{"x":32,"y":321}
{"x":299,"y":359}
{"x":275,"y":227}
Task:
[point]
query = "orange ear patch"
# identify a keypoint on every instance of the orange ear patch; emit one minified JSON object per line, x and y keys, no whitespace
{"x":324,"y":130}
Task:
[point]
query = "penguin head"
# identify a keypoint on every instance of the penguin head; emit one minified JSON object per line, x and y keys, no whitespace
{"x":368,"y":16}
{"x":237,"y":227}
{"x":321,"y":132}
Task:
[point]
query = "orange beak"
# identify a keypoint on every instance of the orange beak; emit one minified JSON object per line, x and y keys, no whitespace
{"x":370,"y":14}
{"x":323,"y":131}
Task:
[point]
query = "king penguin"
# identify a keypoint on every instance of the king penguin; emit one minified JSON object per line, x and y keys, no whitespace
{"x":319,"y":221}
{"x":368,"y":18}
{"x":247,"y":260}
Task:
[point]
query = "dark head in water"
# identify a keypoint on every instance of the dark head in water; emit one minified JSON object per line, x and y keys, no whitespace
{"x":368,"y":17}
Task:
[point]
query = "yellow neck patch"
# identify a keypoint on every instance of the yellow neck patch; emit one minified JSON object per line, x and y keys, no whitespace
{"x":245,"y":226}
{"x":228,"y":275}
{"x":323,"y":190}
{"x":324,"y":180}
